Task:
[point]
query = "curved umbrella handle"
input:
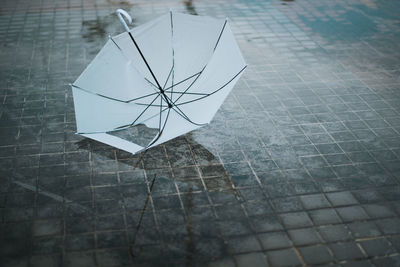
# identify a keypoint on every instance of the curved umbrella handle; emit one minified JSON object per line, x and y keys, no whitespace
{"x":120,"y":13}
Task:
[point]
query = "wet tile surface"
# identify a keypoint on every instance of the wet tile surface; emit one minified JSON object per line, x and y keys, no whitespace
{"x":300,"y":166}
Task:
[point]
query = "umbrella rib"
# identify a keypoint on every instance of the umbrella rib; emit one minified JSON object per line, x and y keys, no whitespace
{"x":173,"y":53}
{"x":184,"y":80}
{"x":145,"y":110}
{"x":152,"y":105}
{"x":183,"y":115}
{"x":190,"y":84}
{"x":173,"y":75}
{"x":187,"y":102}
{"x":115,"y":43}
{"x":152,"y":84}
{"x":160,"y":132}
{"x":177,"y":92}
{"x":159,"y":123}
{"x":220,"y":34}
{"x":128,"y":125}
{"x":165,"y":84}
{"x":216,"y":44}
{"x":111,"y":98}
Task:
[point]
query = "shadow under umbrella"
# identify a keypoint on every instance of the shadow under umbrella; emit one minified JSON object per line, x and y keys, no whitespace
{"x":184,"y":182}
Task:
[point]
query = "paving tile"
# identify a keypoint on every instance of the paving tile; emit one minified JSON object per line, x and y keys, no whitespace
{"x":296,"y":219}
{"x":364,"y":229}
{"x":287,"y":204}
{"x":358,"y":263}
{"x":244,"y":244}
{"x":352,"y":213}
{"x":314,"y":201}
{"x":265,"y":223}
{"x":377,"y":247}
{"x":316,"y":254}
{"x":324,"y":216}
{"x":79,"y":242}
{"x":388,"y":261}
{"x":115,"y":257}
{"x":305,"y":236}
{"x":46,"y":260}
{"x":274,"y":240}
{"x":252,"y":259}
{"x":389,"y":226}
{"x":332,"y":233}
{"x":79,"y":259}
{"x":346,"y":251}
{"x":341,"y":198}
{"x":284,"y":257}
{"x":51,"y":227}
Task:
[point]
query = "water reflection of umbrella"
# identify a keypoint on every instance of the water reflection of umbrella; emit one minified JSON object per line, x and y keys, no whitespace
{"x":164,"y":182}
{"x":157,"y":81}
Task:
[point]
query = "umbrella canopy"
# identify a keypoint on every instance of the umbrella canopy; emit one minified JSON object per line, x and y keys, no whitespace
{"x":159,"y":80}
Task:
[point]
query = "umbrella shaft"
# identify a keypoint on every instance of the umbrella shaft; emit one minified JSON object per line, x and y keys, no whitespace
{"x":166,"y":99}
{"x":145,"y":61}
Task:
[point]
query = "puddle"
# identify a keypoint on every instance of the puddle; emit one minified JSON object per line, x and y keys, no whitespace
{"x":94,"y":30}
{"x":120,"y":4}
{"x":190,"y":7}
{"x":98,"y":30}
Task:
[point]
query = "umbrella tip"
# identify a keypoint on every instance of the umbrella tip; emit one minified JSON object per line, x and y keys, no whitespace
{"x":122,"y":13}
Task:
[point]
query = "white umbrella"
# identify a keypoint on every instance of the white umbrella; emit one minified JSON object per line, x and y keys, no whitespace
{"x":164,"y":78}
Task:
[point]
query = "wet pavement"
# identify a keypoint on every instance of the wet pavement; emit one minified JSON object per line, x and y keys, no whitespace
{"x":300,"y":166}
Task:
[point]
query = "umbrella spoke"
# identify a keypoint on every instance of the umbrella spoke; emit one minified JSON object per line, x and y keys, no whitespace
{"x":173,"y":75}
{"x":111,"y":98}
{"x":197,"y":99}
{"x":220,"y":34}
{"x":128,"y":125}
{"x":138,"y":98}
{"x":169,"y":75}
{"x":182,"y":114}
{"x":192,"y":83}
{"x":151,"y":117}
{"x":216,"y":44}
{"x":112,"y":39}
{"x":152,"y":84}
{"x":159,"y":123}
{"x":160,"y":131}
{"x":144,"y":110}
{"x":184,"y":80}
{"x":190,"y":93}
{"x":152,"y":105}
{"x":173,"y":53}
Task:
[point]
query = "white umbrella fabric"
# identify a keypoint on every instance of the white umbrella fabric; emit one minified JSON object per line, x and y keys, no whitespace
{"x":169,"y":75}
